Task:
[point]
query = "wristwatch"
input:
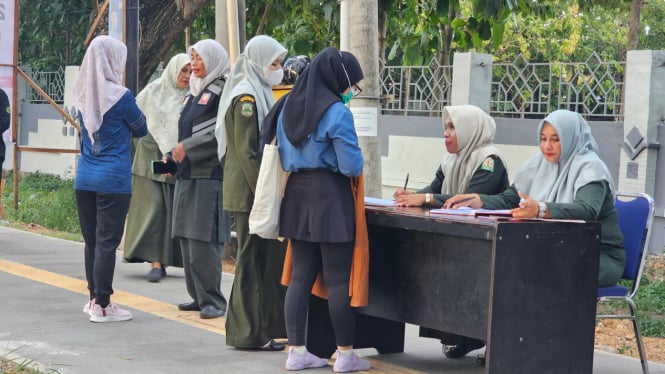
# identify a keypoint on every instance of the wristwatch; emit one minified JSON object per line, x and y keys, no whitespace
{"x":542,"y":209}
{"x":428,"y":197}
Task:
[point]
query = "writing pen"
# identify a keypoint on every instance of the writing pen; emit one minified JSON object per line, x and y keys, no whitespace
{"x":406,"y":182}
{"x":464,"y":200}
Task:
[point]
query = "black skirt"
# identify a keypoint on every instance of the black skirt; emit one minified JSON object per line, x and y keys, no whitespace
{"x":318,"y":207}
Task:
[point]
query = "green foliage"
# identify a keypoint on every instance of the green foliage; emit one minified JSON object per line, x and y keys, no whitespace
{"x":45,"y":200}
{"x":650,"y":301}
{"x":51,"y":33}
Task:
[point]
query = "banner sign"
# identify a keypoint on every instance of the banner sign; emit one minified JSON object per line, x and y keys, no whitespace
{"x":7,"y":10}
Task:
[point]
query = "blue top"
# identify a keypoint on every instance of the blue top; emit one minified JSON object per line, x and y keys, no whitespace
{"x":332,"y":145}
{"x":106,"y":166}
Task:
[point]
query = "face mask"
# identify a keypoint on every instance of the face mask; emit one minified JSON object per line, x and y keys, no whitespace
{"x":272,"y":77}
{"x":347,"y":98}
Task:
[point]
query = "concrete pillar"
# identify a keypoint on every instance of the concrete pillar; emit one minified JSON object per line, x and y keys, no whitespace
{"x":472,"y":80}
{"x":643,"y":113}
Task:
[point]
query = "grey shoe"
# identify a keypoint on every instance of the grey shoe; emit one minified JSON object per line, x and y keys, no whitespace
{"x":156,"y":274}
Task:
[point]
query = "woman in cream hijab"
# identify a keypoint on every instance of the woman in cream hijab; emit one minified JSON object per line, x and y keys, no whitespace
{"x":148,"y":233}
{"x":473,"y":163}
{"x":565,"y":180}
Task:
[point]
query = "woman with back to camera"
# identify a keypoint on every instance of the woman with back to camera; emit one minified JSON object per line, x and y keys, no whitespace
{"x":565,"y":180}
{"x":109,"y":118}
{"x":199,"y":221}
{"x":148,"y":233}
{"x":319,"y":146}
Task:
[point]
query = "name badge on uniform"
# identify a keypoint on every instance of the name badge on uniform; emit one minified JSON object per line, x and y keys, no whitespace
{"x":204,"y":99}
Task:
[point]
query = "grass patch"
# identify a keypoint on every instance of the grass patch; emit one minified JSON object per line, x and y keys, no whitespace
{"x":45,"y":200}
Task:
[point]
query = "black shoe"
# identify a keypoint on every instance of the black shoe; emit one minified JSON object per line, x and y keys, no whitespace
{"x":155,"y":275}
{"x":210,"y":311}
{"x":188,"y":307}
{"x":462,"y":349}
{"x":271,"y":346}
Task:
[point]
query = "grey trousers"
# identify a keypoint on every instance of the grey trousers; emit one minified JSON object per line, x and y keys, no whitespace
{"x":202,"y":262}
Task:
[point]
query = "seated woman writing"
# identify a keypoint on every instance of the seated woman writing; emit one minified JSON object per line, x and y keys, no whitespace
{"x":473,"y":165}
{"x":565,"y":180}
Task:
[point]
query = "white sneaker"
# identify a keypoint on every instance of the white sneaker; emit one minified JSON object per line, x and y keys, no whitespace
{"x":88,"y":306}
{"x":109,"y":314}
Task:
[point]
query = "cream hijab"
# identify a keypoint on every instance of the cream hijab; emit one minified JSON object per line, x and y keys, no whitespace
{"x":98,"y":86}
{"x":578,"y":166}
{"x":161,"y":102}
{"x":216,"y":60}
{"x":475,"y":140}
{"x":246,"y":78}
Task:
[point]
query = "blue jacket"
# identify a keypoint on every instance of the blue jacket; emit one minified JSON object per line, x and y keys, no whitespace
{"x":106,"y":166}
{"x":332,"y":145}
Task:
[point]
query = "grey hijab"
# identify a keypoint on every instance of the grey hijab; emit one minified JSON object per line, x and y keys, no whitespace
{"x":578,"y":165}
{"x":475,"y":139}
{"x":247,"y":78}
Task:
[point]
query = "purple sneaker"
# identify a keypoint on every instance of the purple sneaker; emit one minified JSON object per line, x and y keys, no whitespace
{"x":346,"y":363}
{"x":297,"y":361}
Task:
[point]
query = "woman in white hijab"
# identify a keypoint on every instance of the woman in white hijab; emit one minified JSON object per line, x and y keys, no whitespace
{"x":565,"y":180}
{"x":199,"y":223}
{"x":109,"y":118}
{"x":256,"y":311}
{"x":473,"y":163}
{"x":148,"y":233}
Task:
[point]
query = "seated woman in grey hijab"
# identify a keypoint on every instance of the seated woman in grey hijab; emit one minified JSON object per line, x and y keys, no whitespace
{"x":473,"y":165}
{"x":565,"y":180}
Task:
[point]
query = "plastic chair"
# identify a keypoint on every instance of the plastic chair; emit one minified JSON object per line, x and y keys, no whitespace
{"x":635,"y":212}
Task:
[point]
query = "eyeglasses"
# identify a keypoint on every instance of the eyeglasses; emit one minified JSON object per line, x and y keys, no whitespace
{"x":356,"y":90}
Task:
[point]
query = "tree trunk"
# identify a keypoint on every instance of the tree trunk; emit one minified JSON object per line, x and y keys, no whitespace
{"x":161,"y":21}
{"x":634,"y":30}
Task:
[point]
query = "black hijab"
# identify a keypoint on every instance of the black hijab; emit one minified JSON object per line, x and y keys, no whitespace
{"x":316,"y":89}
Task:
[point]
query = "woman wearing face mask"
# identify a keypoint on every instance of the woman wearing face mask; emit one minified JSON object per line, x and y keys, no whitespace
{"x":257,"y":299}
{"x":319,"y":146}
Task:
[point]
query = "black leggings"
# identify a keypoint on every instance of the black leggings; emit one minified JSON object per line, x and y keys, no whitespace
{"x":308,"y":259}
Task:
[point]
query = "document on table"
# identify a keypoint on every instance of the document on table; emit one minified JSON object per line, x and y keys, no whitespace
{"x":466,"y":211}
{"x":375,"y":201}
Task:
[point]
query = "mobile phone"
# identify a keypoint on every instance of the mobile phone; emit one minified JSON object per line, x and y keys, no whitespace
{"x":159,"y":167}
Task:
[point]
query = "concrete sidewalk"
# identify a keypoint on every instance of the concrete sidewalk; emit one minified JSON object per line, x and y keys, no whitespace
{"x":43,"y":289}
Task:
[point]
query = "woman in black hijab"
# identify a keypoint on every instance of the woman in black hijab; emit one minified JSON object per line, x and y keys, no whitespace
{"x":319,"y":146}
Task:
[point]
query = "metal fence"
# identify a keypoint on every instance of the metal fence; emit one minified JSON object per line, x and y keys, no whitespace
{"x":520,"y":88}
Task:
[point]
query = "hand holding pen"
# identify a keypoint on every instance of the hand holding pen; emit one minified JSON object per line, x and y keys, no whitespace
{"x":402,"y":191}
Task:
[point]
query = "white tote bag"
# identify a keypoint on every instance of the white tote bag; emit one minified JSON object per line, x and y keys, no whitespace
{"x":264,"y":216}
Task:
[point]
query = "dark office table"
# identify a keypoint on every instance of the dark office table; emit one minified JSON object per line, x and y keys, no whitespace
{"x":527,"y":287}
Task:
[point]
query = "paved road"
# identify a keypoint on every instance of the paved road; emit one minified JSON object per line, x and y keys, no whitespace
{"x":43,"y":291}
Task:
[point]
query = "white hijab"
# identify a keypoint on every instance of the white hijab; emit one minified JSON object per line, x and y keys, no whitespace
{"x":578,"y":165}
{"x":161,"y":102}
{"x":216,"y":61}
{"x":475,"y":132}
{"x":246,"y":78}
{"x":98,"y":86}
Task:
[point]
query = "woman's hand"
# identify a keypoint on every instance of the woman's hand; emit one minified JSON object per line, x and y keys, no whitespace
{"x":179,"y":153}
{"x":463,"y":200}
{"x":406,"y":198}
{"x":528,"y":207}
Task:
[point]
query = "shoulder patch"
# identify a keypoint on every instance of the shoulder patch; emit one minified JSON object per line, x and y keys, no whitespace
{"x":205,"y":98}
{"x":214,"y":88}
{"x":247,"y":108}
{"x":488,"y":165}
{"x":9,"y":109}
{"x":246,"y":98}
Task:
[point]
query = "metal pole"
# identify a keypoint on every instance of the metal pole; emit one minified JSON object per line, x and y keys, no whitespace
{"x":234,"y":39}
{"x":132,"y":42}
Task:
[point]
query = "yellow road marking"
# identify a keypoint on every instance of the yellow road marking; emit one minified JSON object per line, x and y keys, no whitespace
{"x":138,"y":302}
{"x":152,"y":306}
